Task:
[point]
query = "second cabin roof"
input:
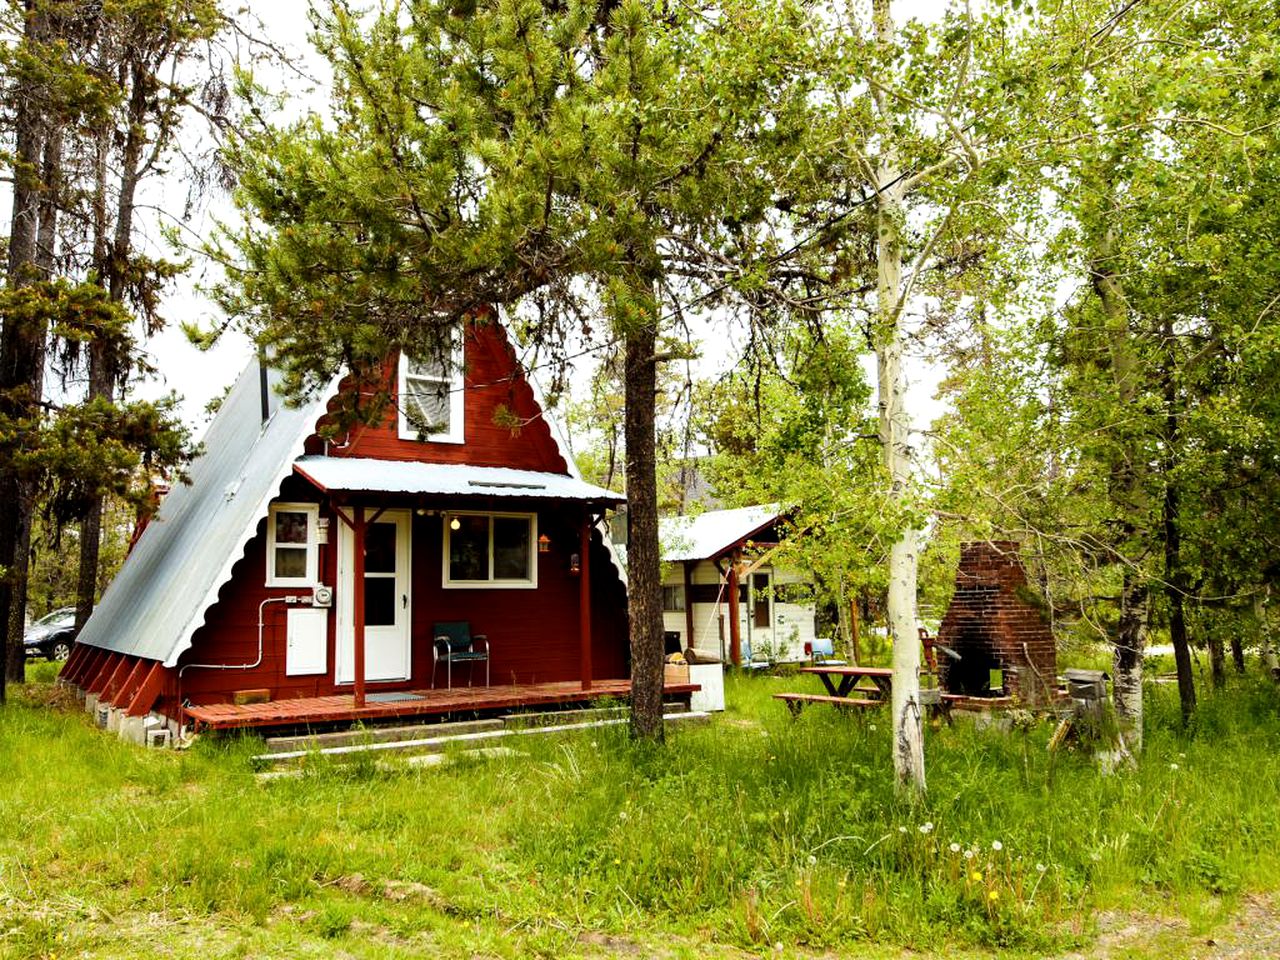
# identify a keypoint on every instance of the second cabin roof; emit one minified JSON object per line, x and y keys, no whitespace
{"x":711,"y":534}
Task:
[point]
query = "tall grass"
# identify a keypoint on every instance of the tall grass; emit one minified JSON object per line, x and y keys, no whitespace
{"x":755,"y":829}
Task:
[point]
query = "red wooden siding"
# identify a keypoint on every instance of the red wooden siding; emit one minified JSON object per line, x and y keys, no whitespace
{"x":533,"y":633}
{"x":493,"y":382}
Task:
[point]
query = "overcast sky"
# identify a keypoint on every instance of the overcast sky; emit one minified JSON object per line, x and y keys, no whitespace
{"x":198,"y":376}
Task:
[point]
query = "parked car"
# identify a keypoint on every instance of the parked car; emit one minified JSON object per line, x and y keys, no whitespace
{"x":52,"y":635}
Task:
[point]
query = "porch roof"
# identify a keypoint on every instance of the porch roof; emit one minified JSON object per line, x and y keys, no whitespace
{"x":708,"y":535}
{"x":364,"y":475}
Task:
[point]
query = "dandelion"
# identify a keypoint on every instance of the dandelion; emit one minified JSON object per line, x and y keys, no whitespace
{"x":968,"y":854}
{"x":993,"y":896}
{"x":976,"y":876}
{"x":842,"y":884}
{"x":1095,"y":856}
{"x":1041,"y":868}
{"x":902,"y":829}
{"x":955,"y":847}
{"x":617,"y":861}
{"x":872,"y":727}
{"x":997,"y":846}
{"x":1173,"y":766}
{"x":812,"y":859}
{"x":926,"y":828}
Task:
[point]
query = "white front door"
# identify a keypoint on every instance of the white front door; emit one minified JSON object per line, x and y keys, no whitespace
{"x":387,"y":607}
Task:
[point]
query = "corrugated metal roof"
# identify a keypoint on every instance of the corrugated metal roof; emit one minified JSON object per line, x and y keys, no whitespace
{"x":561,"y":438}
{"x":709,"y":534}
{"x":359,"y":474}
{"x":159,"y":597}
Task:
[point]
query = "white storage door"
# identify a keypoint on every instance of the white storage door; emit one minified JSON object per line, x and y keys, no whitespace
{"x":307,"y":631}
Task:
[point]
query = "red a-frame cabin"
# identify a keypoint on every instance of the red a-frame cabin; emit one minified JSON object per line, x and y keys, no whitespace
{"x":303,"y":581}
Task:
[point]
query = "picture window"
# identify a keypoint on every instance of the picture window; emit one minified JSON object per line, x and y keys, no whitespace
{"x":497,"y":550}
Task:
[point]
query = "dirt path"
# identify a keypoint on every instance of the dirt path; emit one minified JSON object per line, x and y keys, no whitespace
{"x":1252,"y":933}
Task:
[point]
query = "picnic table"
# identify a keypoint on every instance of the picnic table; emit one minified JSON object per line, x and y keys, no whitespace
{"x":842,"y":682}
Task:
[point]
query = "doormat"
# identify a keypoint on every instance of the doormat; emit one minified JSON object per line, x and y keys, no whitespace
{"x":392,"y":697}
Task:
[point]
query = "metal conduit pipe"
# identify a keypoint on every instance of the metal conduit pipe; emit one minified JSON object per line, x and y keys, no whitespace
{"x":290,"y":599}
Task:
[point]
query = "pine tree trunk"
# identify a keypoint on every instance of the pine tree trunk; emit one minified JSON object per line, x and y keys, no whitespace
{"x":1174,"y":577}
{"x":644,"y":575}
{"x":1217,"y":662}
{"x":1270,"y":662}
{"x":22,"y":345}
{"x":112,"y":255}
{"x":1237,"y":653}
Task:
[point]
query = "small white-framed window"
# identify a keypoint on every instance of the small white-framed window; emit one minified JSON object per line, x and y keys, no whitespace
{"x":673,"y":599}
{"x":430,"y":390}
{"x":490,"y":550}
{"x":292,"y":554}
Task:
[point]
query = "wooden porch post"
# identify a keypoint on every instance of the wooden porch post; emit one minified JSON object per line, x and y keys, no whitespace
{"x":358,"y":528}
{"x":735,"y":627}
{"x":688,"y":602}
{"x":584,"y":602}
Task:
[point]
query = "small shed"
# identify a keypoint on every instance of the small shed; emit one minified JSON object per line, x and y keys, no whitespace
{"x":723,"y":593}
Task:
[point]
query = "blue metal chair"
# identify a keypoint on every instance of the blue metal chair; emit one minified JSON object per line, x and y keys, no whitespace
{"x":453,"y":643}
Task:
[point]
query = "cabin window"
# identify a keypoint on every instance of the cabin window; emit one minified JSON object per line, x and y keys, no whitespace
{"x":291,"y":544}
{"x":673,"y":599}
{"x":431,"y":395}
{"x":490,"y":549}
{"x":760,"y":608}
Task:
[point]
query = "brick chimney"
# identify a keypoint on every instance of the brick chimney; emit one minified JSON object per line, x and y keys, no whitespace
{"x":992,"y":624}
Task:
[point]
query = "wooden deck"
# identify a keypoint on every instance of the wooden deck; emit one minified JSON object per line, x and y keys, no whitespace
{"x":423,"y":703}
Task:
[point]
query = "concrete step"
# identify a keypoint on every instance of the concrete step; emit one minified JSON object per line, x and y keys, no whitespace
{"x":413,"y":731}
{"x":506,"y":737}
{"x":555,"y":718}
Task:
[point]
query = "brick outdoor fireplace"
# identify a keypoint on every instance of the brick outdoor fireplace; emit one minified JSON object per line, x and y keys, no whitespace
{"x":992,"y":625}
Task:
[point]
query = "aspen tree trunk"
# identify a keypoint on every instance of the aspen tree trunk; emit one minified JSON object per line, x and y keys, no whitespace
{"x":1129,"y":494}
{"x":1131,"y":641}
{"x":895,"y":444}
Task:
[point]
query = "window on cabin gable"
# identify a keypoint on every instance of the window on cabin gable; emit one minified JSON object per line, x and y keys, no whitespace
{"x":292,"y":554}
{"x":431,"y":396}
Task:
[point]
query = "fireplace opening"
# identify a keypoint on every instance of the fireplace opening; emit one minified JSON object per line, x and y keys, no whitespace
{"x":976,"y":674}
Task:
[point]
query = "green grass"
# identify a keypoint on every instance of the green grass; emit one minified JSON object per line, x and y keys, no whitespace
{"x":750,"y":832}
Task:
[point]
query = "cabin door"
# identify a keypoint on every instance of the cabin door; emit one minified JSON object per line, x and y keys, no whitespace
{"x":387,"y":607}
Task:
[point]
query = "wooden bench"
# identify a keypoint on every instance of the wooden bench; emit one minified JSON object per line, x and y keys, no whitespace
{"x":797,"y":701}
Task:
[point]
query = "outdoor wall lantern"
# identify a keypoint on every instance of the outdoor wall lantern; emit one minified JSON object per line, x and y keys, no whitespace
{"x":455,"y":524}
{"x":575,"y":564}
{"x":544,"y":543}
